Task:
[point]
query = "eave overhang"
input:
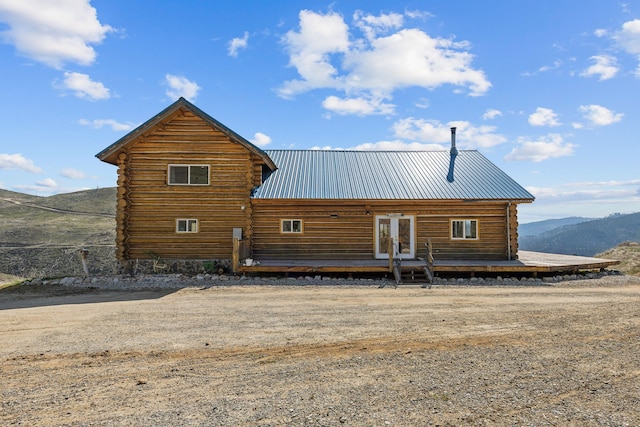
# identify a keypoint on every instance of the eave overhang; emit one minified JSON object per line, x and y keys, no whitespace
{"x":110,"y":154}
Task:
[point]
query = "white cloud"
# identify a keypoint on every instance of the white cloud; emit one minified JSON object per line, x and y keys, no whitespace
{"x":556,"y":64}
{"x":605,"y":67}
{"x":309,"y":50}
{"x":371,"y":25}
{"x":238,"y":43}
{"x":398,"y":146}
{"x":411,"y":57}
{"x":326,"y":148}
{"x":422,"y":130}
{"x":431,"y":135}
{"x":491,"y":114}
{"x":53,"y":33}
{"x":18,"y":161}
{"x":83,"y":87}
{"x":432,"y":131}
{"x":574,"y":199}
{"x":358,"y":106}
{"x":181,"y":87}
{"x":260,"y":139}
{"x":327,"y":55}
{"x":423,"y":103}
{"x":600,"y":32}
{"x":47,"y":182}
{"x":547,"y":147}
{"x":73,"y":174}
{"x":628,"y":38}
{"x":544,"y":117}
{"x":581,"y":193}
{"x":47,"y":186}
{"x":114,"y":125}
{"x":418,"y":14}
{"x":599,"y":115}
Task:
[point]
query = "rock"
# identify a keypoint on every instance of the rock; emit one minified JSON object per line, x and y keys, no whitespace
{"x":66,"y":281}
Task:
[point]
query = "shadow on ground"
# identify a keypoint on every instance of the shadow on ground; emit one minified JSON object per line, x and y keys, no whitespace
{"x":29,"y":296}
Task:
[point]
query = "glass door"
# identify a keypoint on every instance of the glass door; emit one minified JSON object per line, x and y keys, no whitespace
{"x":395,"y":232}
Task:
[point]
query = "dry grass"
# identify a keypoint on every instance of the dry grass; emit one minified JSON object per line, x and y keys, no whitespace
{"x":629,"y":255}
{"x":40,"y":236}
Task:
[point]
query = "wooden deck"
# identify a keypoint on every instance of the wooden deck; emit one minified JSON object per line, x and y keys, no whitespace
{"x":527,"y":263}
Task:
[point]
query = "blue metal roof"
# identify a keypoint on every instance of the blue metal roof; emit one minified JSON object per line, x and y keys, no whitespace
{"x":390,"y":175}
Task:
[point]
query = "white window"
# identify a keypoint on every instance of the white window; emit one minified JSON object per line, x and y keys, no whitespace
{"x":188,"y":174}
{"x":291,"y":226}
{"x":186,"y":226}
{"x":464,"y":229}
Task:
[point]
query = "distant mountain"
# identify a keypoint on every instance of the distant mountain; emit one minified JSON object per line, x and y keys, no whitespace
{"x":539,"y":227}
{"x":586,"y":238}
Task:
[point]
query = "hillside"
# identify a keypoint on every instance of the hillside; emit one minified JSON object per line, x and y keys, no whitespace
{"x":586,"y":238}
{"x":629,"y":255}
{"x":41,"y":236}
{"x":539,"y":227}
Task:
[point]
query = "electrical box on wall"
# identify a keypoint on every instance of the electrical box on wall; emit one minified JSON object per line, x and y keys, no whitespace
{"x":237,"y":233}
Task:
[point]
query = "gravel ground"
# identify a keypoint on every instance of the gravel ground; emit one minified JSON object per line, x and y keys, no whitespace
{"x":171,"y":350}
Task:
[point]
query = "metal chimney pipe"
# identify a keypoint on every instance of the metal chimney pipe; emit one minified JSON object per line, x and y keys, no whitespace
{"x":453,"y":150}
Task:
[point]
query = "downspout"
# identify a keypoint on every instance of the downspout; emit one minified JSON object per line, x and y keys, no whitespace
{"x":508,"y":231}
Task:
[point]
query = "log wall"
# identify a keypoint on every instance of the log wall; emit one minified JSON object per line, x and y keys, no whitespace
{"x":343,"y":229}
{"x":512,"y":223}
{"x":148,"y":207}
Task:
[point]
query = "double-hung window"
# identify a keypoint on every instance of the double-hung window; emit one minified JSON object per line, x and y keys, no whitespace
{"x":188,"y":174}
{"x":464,"y":229}
{"x":186,"y":226}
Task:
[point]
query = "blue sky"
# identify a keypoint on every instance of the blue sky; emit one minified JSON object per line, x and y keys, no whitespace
{"x":546,"y":90}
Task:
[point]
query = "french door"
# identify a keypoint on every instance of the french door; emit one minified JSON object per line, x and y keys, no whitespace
{"x":396,"y":231}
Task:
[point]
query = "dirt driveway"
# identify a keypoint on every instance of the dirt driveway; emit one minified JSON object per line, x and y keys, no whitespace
{"x":316,"y":355}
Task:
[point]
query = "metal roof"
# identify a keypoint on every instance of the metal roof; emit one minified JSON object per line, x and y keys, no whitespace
{"x":390,"y":175}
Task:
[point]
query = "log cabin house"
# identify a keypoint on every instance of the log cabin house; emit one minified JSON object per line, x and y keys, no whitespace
{"x":189,"y":187}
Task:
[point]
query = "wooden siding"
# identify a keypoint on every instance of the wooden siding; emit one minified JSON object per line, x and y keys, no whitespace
{"x":350,"y":235}
{"x":149,"y":207}
{"x":435,"y":223}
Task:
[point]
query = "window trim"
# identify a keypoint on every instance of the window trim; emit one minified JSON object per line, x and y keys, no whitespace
{"x":187,"y":221}
{"x":464,"y":228}
{"x":291,"y":222}
{"x":188,"y":166}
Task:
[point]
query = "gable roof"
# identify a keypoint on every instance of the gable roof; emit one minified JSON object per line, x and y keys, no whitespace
{"x":390,"y":175}
{"x":110,"y":153}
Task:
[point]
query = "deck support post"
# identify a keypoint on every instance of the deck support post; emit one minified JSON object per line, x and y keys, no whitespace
{"x":390,"y":252}
{"x":394,"y":263}
{"x":428,"y":268}
{"x":235,"y":255}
